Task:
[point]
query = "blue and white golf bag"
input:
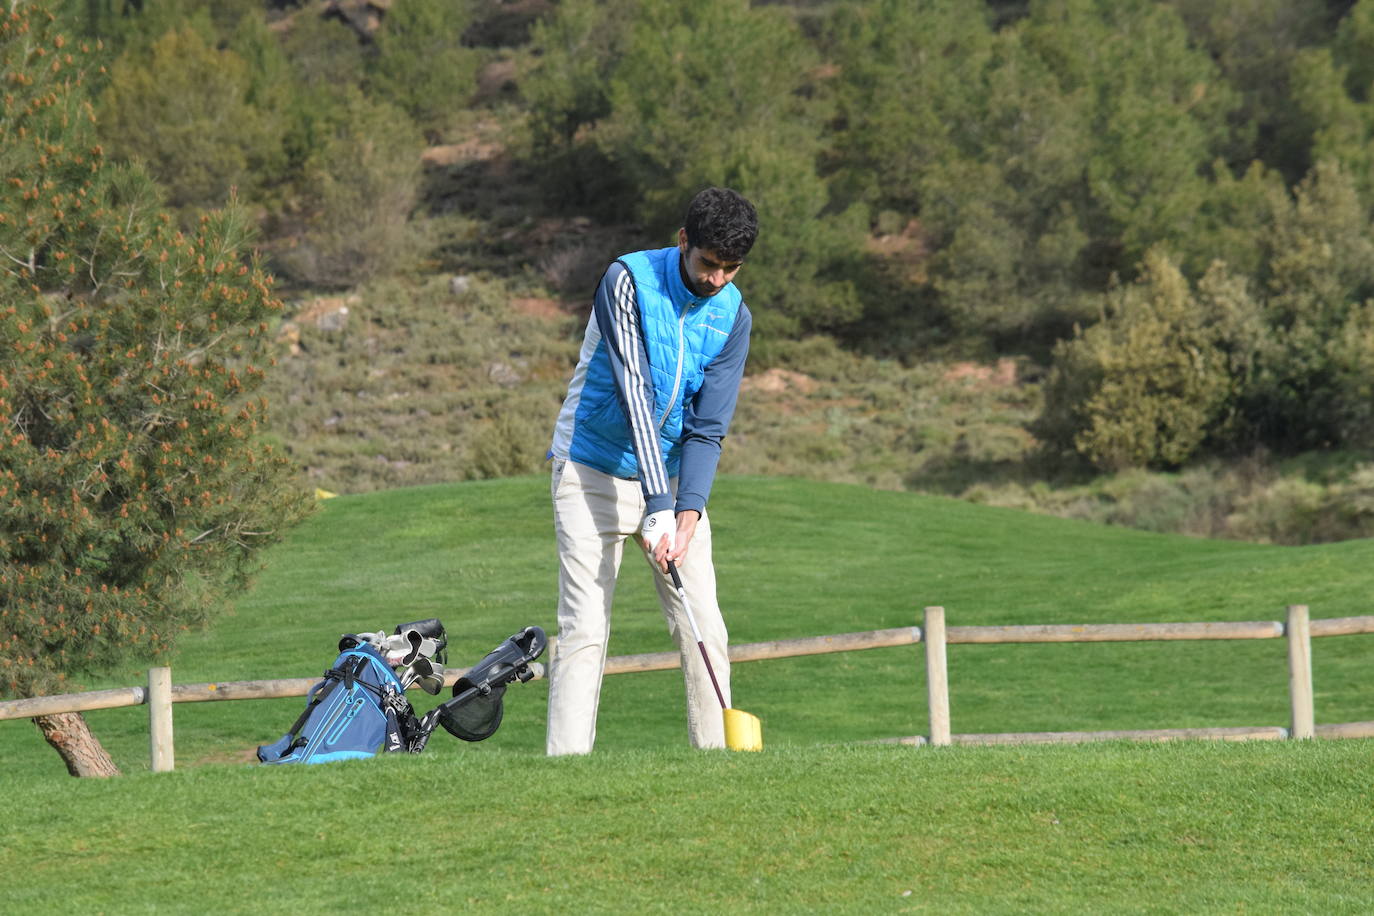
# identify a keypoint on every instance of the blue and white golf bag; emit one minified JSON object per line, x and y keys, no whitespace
{"x":360,"y":708}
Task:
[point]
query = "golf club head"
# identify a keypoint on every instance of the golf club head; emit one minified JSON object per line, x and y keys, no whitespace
{"x":429,"y":675}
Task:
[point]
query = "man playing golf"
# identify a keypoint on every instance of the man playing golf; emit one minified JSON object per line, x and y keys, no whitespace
{"x":634,"y":453}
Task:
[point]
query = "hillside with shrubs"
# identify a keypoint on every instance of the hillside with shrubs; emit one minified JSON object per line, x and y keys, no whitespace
{"x":1108,"y":259}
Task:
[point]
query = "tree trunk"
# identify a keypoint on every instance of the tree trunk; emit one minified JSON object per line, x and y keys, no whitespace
{"x":80,"y":750}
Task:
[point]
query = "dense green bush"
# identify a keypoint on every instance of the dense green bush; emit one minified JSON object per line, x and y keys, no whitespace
{"x":1281,"y":362}
{"x":326,"y":57}
{"x":911,"y":74}
{"x":1147,"y":384}
{"x":1036,"y":168}
{"x":135,"y":24}
{"x":1255,"y":45}
{"x":358,"y":187}
{"x":566,"y":87}
{"x":735,"y":111}
{"x":420,"y":63}
{"x":209,"y":139}
{"x":1335,"y":108}
{"x":1319,"y":269}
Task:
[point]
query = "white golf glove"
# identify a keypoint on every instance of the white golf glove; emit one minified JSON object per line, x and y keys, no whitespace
{"x":657,"y":526}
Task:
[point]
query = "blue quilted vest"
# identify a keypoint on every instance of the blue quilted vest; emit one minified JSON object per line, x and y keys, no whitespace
{"x":682,"y":333}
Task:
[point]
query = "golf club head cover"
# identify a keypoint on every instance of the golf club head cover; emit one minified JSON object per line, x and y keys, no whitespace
{"x":657,"y":526}
{"x":424,"y":638}
{"x":428,"y":627}
{"x":353,"y":640}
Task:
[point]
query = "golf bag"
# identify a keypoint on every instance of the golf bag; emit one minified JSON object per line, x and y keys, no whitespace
{"x":360,"y":707}
{"x":357,"y":708}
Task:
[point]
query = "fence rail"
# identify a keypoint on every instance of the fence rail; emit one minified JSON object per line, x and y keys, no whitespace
{"x":1298,"y":629}
{"x":1117,"y":632}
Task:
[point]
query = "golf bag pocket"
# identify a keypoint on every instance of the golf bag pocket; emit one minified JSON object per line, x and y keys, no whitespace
{"x":353,"y":713}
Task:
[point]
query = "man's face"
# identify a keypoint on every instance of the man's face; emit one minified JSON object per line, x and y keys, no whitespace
{"x":707,"y":272}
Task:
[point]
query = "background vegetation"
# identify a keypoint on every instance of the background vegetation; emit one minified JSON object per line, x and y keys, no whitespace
{"x":1104,"y":258}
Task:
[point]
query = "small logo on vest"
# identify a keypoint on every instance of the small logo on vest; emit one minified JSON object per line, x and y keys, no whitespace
{"x":711,"y":316}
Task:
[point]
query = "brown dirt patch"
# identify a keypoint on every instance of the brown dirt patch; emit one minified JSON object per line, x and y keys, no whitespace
{"x":495,"y":77}
{"x":317,"y":308}
{"x":474,"y":149}
{"x":1001,"y":374}
{"x":779,"y":381}
{"x":906,"y":250}
{"x":246,"y":755}
{"x":539,"y":308}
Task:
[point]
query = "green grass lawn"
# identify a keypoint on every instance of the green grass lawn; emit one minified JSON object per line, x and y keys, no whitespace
{"x":1190,"y":827}
{"x":645,"y":823}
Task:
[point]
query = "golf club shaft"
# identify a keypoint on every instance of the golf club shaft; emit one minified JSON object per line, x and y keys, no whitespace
{"x":696,"y":634}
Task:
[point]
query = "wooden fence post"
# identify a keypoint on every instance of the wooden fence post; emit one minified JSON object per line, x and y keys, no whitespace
{"x":937,"y":675}
{"x":160,"y":720}
{"x":1299,"y":633}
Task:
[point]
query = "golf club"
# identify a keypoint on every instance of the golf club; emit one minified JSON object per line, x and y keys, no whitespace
{"x":743,"y":732}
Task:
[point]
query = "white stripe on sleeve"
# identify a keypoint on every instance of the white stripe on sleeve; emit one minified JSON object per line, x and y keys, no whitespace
{"x":636,"y":388}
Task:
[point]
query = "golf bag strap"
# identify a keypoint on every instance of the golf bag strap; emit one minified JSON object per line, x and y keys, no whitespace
{"x":332,"y":677}
{"x":322,"y":691}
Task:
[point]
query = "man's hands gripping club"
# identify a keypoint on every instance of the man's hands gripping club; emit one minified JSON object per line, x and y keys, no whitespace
{"x":665,"y":537}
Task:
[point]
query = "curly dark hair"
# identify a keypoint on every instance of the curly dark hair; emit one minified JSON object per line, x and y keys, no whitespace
{"x":723,"y":221}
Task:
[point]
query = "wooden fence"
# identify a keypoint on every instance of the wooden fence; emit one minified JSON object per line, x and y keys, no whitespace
{"x":1297,"y":629}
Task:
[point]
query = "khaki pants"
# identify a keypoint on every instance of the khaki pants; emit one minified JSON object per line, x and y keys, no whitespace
{"x":593,"y":515}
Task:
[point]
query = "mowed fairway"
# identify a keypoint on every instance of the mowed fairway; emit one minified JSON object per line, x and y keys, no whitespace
{"x":815,"y":821}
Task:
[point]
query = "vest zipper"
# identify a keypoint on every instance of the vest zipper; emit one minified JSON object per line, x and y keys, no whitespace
{"x":677,"y":378}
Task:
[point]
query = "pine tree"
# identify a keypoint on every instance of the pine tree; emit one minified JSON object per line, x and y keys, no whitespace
{"x":136,"y":489}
